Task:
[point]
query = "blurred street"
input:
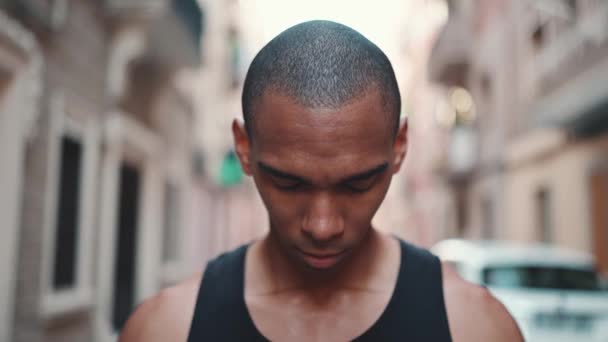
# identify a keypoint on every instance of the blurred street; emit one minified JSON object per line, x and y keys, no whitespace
{"x":119,"y":176}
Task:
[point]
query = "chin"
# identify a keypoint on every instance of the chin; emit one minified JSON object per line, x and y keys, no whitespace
{"x":321,"y":263}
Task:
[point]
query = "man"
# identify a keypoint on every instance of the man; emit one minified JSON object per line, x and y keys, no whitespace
{"x":321,"y":139}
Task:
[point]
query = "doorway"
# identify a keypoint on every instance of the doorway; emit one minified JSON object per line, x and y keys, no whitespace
{"x":599,"y":217}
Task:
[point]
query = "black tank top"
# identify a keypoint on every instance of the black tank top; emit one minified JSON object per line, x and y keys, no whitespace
{"x":415,"y":312}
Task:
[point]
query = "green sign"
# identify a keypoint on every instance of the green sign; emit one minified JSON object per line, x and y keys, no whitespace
{"x":231,"y":172}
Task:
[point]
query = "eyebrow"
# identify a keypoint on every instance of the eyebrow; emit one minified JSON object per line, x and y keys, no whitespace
{"x":281,"y":174}
{"x":352,"y":178}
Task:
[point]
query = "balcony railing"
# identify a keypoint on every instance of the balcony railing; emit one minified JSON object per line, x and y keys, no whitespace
{"x":450,"y":56}
{"x":571,"y":74}
{"x":139,"y":7}
{"x":174,"y":28}
{"x":561,"y":56}
{"x":175,"y":37}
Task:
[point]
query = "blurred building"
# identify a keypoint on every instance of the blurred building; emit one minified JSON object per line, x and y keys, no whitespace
{"x":526,"y":82}
{"x":97,"y":121}
{"x":419,"y":198}
{"x":237,"y":214}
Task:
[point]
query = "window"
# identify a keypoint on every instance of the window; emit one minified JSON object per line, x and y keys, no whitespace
{"x":130,"y":222}
{"x":462,"y":210}
{"x":70,"y":199}
{"x":234,"y":46}
{"x":538,"y":37}
{"x":487,"y":92}
{"x":487,"y":218}
{"x":6,"y":79}
{"x":174,"y":211}
{"x":486,"y":101}
{"x":558,"y":277}
{"x":66,"y":236}
{"x":171,"y":228}
{"x":126,"y":245}
{"x":598,"y":192}
{"x":543,"y":212}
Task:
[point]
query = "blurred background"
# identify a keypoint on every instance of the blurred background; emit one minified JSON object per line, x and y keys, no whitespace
{"x":118,"y":176}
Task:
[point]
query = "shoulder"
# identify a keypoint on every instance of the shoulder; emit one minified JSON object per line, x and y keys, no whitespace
{"x":474,"y":314}
{"x":165,"y":316}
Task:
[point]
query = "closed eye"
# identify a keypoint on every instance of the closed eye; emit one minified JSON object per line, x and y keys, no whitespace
{"x":365,"y":180}
{"x":360,"y":185}
{"x":282,"y":180}
{"x":286,"y":183}
{"x":357,"y":183}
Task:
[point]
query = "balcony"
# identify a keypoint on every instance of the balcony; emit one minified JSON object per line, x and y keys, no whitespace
{"x":572,"y":76}
{"x":573,"y":50}
{"x":449,"y":61}
{"x":39,"y":15}
{"x":147,"y":8}
{"x":175,"y":36}
{"x":580,"y":105}
{"x":172,"y":29}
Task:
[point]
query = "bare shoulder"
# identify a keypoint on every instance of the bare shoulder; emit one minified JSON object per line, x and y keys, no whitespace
{"x":165,"y":316}
{"x":474,"y":314}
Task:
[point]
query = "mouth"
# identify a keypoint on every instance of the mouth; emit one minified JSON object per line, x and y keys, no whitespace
{"x":321,"y":260}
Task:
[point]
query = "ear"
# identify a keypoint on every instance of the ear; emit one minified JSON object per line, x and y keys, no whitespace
{"x":242,"y":145}
{"x":400,"y":146}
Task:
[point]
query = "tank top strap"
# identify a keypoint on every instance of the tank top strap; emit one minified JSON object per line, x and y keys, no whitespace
{"x":416,"y":310}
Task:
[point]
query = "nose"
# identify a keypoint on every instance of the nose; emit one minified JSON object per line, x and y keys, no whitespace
{"x":323,"y":222}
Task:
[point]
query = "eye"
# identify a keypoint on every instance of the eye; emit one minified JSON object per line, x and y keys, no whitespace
{"x":361,"y":185}
{"x":286,"y":183}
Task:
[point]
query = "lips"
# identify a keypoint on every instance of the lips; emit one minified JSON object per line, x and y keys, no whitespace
{"x":321,"y":260}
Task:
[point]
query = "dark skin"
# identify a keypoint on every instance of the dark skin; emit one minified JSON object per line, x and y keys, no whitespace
{"x":322,"y":174}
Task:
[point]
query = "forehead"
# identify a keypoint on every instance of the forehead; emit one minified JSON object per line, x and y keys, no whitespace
{"x":288,"y":134}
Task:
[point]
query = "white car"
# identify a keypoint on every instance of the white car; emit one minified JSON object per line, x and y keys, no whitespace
{"x":553,"y":293}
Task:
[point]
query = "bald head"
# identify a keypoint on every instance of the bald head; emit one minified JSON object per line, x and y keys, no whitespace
{"x":321,"y":65}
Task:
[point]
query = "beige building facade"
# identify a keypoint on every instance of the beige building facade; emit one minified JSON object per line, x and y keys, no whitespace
{"x":21,"y":65}
{"x":97,"y":115}
{"x":536,"y":71}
